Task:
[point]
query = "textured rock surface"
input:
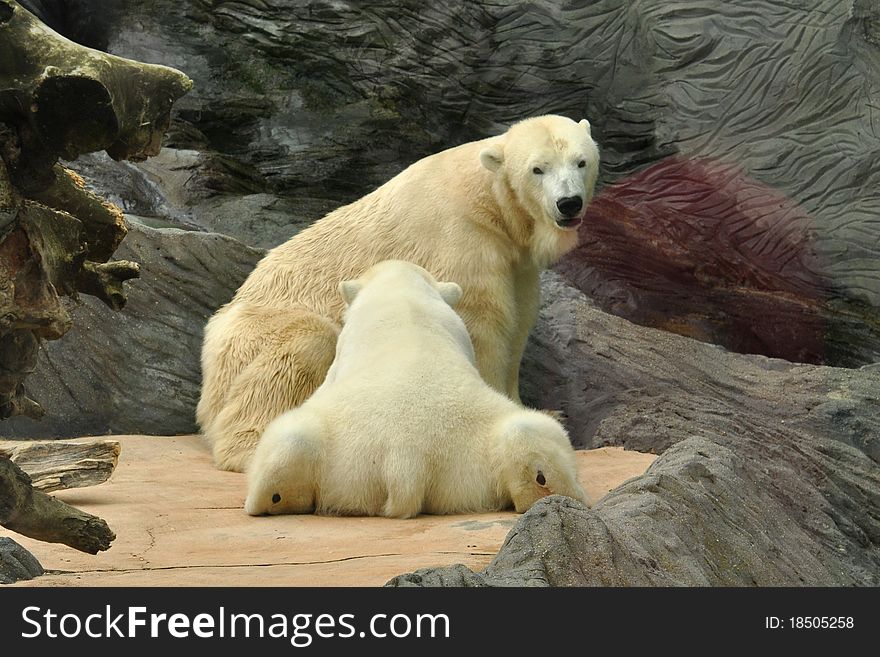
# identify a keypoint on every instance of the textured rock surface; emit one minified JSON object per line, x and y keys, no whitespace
{"x":703,"y":249}
{"x":300,"y":106}
{"x":138,"y":369}
{"x":769,"y":474}
{"x":590,"y":364}
{"x":16,"y":563}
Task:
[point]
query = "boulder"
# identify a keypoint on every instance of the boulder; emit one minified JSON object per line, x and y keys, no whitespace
{"x":769,"y":473}
{"x":16,"y":563}
{"x":138,"y":370}
{"x":590,"y":365}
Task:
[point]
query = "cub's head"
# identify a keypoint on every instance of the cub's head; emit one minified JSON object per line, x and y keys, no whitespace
{"x":400,"y":275}
{"x":550,"y":164}
{"x":539,"y":461}
{"x":281,"y":474}
{"x":402,"y":295}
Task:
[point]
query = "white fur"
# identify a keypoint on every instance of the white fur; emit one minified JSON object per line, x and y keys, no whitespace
{"x":475,"y":214}
{"x":403,"y":424}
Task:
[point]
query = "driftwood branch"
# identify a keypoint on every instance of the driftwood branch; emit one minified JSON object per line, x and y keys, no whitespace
{"x":105,"y":280}
{"x":35,"y":514}
{"x":60,"y":464}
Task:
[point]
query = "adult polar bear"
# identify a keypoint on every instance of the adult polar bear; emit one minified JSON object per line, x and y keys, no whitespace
{"x":489,"y":215}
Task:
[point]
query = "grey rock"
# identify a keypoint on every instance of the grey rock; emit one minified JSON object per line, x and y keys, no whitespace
{"x":188,"y":189}
{"x":768,"y":475}
{"x":138,"y":370}
{"x":16,"y":563}
{"x":300,"y":106}
{"x":456,"y":575}
{"x":590,"y":364}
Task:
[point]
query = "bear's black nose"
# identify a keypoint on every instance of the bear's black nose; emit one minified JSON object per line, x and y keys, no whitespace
{"x":570,"y":205}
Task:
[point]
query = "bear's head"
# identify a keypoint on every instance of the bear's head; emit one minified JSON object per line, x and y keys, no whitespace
{"x":539,"y":461}
{"x":549,"y":165}
{"x":282,"y":472}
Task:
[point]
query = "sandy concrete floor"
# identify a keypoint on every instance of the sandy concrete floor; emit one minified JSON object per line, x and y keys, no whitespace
{"x":180,"y":522}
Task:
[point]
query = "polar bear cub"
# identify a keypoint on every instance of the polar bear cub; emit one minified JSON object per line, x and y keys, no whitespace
{"x":403,"y":424}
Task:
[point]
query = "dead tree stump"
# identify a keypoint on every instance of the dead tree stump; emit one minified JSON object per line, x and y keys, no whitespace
{"x":58,"y":100}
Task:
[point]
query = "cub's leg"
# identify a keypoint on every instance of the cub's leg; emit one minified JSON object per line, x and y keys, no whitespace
{"x":285,"y":471}
{"x":406,"y":483}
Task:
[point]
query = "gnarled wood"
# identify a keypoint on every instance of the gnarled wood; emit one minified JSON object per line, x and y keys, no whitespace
{"x":60,"y":99}
{"x":77,"y":100}
{"x":33,"y":513}
{"x":103,"y":223}
{"x":56,"y":465}
{"x":18,"y":356}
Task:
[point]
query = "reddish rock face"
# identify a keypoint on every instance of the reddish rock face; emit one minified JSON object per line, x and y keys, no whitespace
{"x":699,"y":248}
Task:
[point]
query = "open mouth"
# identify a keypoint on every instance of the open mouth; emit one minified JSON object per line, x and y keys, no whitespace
{"x":569,"y":222}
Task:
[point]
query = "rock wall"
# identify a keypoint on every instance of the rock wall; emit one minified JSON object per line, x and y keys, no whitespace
{"x":300,"y":106}
{"x":137,"y":370}
{"x":739,"y":201}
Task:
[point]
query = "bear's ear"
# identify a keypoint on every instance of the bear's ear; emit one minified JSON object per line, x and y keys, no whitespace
{"x":585,"y":125}
{"x":451,"y":292}
{"x":349,"y":290}
{"x":492,"y":157}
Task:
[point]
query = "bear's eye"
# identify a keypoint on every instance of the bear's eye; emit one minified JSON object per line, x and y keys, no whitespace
{"x":542,"y":481}
{"x":538,"y":171}
{"x":582,"y":164}
{"x":276,"y":498}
